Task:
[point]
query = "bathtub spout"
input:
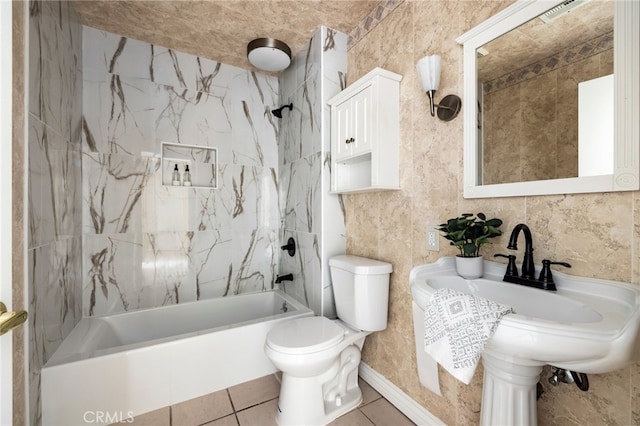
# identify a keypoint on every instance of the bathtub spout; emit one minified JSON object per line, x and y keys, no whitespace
{"x":280,"y":278}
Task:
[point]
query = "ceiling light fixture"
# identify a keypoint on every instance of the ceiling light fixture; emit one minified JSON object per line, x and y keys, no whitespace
{"x":269,"y":54}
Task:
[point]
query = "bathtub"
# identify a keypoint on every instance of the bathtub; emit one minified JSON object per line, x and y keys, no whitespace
{"x":114,"y":367}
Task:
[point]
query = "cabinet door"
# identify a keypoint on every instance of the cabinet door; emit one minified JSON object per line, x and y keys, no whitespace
{"x":361,"y":123}
{"x":342,"y":132}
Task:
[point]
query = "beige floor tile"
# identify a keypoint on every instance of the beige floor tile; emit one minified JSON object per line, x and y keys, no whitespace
{"x":159,"y":417}
{"x":225,"y":421}
{"x":201,"y":410}
{"x":259,"y":415}
{"x":382,"y":413}
{"x":353,"y":418}
{"x":254,"y":392}
{"x":369,"y":394}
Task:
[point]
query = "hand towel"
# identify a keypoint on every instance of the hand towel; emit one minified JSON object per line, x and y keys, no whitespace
{"x":457,"y":326}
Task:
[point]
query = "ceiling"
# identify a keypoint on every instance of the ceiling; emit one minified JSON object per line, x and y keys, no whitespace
{"x":221,"y":29}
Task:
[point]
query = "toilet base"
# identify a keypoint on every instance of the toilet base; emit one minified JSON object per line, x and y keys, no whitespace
{"x":321,"y":399}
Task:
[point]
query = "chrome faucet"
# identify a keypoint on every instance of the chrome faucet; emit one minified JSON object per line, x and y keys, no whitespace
{"x":528,"y":268}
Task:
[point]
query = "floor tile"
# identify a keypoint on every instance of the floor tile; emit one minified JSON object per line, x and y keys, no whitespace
{"x":259,"y":415}
{"x":382,"y":413}
{"x":353,"y":418}
{"x":254,"y":392}
{"x":201,"y":410}
{"x":369,"y":394}
{"x":160,"y":417}
{"x":225,"y":421}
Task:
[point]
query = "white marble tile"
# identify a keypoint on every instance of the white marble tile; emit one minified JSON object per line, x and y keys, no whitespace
{"x":303,"y":202}
{"x":113,"y":187}
{"x":252,"y":97}
{"x":254,"y":260}
{"x":113,"y":273}
{"x":193,"y":118}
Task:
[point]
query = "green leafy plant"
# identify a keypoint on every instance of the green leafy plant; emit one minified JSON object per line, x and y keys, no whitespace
{"x":469,"y":233}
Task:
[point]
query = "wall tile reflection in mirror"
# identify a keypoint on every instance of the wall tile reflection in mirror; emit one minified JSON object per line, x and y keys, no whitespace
{"x":528,"y":88}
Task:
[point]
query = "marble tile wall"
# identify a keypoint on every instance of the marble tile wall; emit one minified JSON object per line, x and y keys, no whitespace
{"x":391,"y":225}
{"x":148,"y":245}
{"x":310,"y":214}
{"x":542,"y":108}
{"x":54,"y":176}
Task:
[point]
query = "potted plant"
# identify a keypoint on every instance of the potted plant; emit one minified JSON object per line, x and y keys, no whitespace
{"x":468,"y":233}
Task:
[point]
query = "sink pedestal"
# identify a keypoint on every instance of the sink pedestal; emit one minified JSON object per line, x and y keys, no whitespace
{"x":509,"y":391}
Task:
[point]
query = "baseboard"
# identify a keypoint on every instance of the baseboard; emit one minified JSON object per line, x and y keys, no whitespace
{"x":403,"y":402}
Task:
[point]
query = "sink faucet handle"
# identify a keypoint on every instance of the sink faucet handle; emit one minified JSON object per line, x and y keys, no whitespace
{"x":512,"y":269}
{"x":545,"y":274}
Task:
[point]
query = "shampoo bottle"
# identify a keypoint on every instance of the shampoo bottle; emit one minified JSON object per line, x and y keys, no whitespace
{"x":175,"y":177}
{"x":187,"y":176}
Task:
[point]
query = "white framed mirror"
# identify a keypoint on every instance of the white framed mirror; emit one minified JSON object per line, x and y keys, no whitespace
{"x":500,"y":170}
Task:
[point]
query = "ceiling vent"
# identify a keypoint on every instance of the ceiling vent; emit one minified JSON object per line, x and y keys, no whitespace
{"x":564,"y":7}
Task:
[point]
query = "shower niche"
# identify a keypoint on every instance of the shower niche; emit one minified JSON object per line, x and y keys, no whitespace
{"x":189,"y":166}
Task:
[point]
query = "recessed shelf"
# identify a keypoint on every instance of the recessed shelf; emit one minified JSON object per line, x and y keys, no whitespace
{"x":201,"y":160}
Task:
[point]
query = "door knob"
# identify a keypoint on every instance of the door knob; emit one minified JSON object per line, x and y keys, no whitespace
{"x":10,"y":320}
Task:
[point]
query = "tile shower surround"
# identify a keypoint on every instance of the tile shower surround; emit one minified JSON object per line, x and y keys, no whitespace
{"x":200,"y":243}
{"x":309,"y":213}
{"x":54,"y":176}
{"x":148,"y":245}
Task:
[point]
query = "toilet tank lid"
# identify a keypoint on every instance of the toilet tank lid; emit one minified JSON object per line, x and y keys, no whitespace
{"x":360,"y":265}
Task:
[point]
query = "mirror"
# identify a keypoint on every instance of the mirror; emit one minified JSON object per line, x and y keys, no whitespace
{"x":522,"y":139}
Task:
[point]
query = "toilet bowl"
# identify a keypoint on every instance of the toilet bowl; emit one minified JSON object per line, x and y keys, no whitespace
{"x":319,"y":357}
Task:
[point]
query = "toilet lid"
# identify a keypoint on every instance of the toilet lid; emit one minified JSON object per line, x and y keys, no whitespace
{"x":305,"y":335}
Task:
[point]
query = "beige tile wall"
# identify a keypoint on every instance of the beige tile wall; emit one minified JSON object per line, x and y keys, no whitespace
{"x":18,"y":290}
{"x":597,"y":233}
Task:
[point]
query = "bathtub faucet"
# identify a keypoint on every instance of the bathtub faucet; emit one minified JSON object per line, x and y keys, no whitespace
{"x":280,"y":278}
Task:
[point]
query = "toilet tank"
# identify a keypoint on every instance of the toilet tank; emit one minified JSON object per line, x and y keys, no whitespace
{"x":361,"y":291}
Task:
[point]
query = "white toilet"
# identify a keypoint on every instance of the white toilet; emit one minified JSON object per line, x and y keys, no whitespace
{"x":319,"y":357}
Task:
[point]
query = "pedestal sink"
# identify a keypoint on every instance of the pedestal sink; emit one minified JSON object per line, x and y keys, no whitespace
{"x":588,"y":325}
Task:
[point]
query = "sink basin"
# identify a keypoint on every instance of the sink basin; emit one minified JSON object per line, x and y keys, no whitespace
{"x":588,"y":325}
{"x":526,"y":301}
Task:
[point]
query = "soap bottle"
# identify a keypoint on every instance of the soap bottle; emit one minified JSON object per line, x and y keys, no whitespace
{"x":187,"y":176}
{"x":175,"y":178}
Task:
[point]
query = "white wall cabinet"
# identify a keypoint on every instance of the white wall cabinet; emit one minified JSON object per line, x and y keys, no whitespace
{"x":365,"y":134}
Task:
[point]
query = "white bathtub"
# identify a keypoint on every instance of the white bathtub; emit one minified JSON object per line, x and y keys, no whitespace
{"x":114,"y":367}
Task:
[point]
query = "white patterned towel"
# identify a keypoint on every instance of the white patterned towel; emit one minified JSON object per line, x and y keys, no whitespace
{"x":457,"y":325}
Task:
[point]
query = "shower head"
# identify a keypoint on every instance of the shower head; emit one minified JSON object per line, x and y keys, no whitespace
{"x":278,"y":112}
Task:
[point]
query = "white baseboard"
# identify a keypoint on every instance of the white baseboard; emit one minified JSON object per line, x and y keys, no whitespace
{"x":403,"y":402}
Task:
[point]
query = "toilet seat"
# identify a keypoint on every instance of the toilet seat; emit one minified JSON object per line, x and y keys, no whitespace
{"x":305,"y":335}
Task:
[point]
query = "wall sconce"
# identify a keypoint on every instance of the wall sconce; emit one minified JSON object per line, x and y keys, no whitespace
{"x":429,"y":73}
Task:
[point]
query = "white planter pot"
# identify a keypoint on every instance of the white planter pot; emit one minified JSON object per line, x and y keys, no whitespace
{"x":469,"y":267}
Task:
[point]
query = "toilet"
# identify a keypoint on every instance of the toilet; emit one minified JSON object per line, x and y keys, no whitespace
{"x":319,"y":357}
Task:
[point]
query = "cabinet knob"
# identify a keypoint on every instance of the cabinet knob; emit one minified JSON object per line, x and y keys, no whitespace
{"x":350,"y":140}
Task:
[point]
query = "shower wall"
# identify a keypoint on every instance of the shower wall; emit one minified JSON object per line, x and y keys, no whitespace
{"x":310,"y":213}
{"x":54,"y":176}
{"x":148,"y":245}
